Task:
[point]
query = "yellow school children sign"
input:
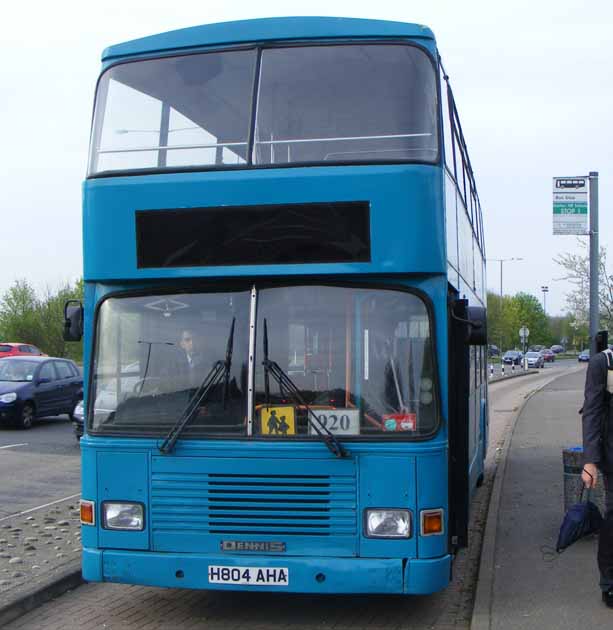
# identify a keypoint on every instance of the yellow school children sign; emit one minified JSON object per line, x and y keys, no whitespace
{"x":277,"y":421}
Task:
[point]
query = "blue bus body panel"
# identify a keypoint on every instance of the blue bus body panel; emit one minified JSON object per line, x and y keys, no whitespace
{"x":424,"y":577}
{"x":123,"y":476}
{"x":387,"y":482}
{"x":431,"y":485}
{"x":268,"y":29}
{"x":177,"y":498}
{"x":405,"y":204}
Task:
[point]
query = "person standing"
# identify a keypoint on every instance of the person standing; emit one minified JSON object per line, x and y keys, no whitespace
{"x":598,"y":456}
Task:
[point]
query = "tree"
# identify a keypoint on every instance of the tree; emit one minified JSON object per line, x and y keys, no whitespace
{"x":19,"y":319}
{"x":51,"y":317}
{"x":526,"y":310}
{"x":27,"y":318}
{"x":577,"y":272}
{"x":561,"y":329}
{"x":507,"y":315}
{"x":498,"y":320}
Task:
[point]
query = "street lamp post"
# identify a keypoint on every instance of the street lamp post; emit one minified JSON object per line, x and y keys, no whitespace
{"x":545,"y":290}
{"x":501,"y":261}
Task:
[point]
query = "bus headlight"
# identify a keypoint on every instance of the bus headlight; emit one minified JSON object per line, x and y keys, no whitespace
{"x":124,"y":515}
{"x":388,"y":523}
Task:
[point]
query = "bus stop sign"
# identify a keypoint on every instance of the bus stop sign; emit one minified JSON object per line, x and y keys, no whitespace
{"x":570,"y":205}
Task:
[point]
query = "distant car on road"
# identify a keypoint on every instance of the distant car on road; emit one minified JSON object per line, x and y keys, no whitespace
{"x":512,"y":357}
{"x":535,"y":359}
{"x":584,"y":356}
{"x":12,"y":349}
{"x":548,"y":355}
{"x":557,"y":349}
{"x":494,"y":351}
{"x":32,"y":387}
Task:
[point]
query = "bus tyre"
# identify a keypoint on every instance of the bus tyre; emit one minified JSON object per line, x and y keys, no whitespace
{"x":27,"y":416}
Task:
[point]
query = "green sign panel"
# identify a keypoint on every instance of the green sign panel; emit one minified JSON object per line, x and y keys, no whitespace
{"x":570,"y":208}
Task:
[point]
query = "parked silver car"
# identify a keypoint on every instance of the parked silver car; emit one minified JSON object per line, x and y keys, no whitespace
{"x":535,"y":359}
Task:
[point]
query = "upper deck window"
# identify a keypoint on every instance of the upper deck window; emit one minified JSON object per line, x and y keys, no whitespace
{"x":179,"y":111}
{"x":366,"y":103}
{"x":315,"y":105}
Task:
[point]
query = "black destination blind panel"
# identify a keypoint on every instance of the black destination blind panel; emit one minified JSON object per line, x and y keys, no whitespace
{"x":254,"y":235}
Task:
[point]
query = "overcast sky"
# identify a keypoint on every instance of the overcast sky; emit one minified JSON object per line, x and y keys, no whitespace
{"x":532,"y":81}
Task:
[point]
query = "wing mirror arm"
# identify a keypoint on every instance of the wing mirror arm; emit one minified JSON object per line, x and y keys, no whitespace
{"x":476,"y":323}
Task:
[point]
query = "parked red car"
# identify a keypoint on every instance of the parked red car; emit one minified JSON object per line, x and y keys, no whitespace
{"x":11,"y":349}
{"x":548,"y":355}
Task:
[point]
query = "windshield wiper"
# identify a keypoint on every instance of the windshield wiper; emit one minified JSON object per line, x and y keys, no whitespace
{"x":221,"y":369}
{"x":285,"y":382}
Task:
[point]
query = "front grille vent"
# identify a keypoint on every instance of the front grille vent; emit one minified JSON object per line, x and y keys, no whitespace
{"x":288,"y":505}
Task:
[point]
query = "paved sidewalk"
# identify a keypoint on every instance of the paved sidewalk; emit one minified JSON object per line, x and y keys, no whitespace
{"x":532,"y":587}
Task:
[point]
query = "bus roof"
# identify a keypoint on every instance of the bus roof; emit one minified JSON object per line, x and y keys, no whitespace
{"x":266,"y":29}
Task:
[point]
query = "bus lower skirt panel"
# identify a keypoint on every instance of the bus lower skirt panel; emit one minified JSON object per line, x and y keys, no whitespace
{"x":272,"y":573}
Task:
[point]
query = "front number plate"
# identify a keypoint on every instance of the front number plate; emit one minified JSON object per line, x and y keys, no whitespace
{"x":252,"y":576}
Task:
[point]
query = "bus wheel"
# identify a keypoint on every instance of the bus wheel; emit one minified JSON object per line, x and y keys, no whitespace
{"x":27,"y":416}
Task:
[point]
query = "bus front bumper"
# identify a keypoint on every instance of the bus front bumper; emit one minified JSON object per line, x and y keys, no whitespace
{"x":304,"y":575}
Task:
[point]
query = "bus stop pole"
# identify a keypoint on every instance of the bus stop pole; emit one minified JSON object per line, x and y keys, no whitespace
{"x":594,"y":261}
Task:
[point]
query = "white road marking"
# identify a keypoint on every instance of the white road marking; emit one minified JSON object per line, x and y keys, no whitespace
{"x":13,"y":445}
{"x":39,"y":507}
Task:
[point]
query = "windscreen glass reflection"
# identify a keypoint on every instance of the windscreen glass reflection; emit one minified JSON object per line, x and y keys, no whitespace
{"x":154,"y":352}
{"x":361,"y":359}
{"x":358,"y":359}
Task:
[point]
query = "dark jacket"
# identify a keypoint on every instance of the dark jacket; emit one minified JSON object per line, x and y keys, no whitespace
{"x":597,"y":407}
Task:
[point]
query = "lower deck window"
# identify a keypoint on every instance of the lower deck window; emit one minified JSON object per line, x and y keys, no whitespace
{"x":358,"y":361}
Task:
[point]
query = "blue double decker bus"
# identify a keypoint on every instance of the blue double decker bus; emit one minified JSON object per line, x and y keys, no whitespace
{"x":284,"y":312}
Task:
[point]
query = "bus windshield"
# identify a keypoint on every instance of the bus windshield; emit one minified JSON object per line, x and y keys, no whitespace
{"x":361,"y":360}
{"x":315,"y":104}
